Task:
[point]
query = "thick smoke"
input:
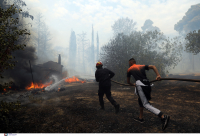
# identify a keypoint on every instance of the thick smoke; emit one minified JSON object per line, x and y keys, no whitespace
{"x":190,"y":21}
{"x":21,"y":74}
{"x":148,"y":26}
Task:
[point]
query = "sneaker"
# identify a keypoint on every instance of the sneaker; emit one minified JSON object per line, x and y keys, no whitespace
{"x":117,"y":108}
{"x":139,"y":120}
{"x":165,"y":121}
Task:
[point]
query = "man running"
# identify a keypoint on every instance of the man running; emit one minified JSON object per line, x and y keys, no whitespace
{"x":143,"y":90}
{"x":103,"y":76}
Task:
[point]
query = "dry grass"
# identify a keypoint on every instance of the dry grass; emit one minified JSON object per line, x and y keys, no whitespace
{"x":75,"y":110}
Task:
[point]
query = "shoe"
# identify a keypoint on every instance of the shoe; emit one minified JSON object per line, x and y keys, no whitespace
{"x":165,"y":121}
{"x":117,"y":108}
{"x":139,"y":120}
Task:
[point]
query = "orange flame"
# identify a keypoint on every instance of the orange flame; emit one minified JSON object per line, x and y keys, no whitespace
{"x":38,"y":85}
{"x":73,"y":79}
{"x":4,"y":89}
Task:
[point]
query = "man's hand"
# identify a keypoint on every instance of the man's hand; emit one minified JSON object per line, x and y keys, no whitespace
{"x":128,"y":81}
{"x":158,"y":77}
{"x":156,"y":71}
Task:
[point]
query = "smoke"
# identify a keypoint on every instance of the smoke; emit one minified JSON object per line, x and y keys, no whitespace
{"x":21,"y":74}
{"x":56,"y":84}
{"x":148,"y":26}
{"x":190,"y":21}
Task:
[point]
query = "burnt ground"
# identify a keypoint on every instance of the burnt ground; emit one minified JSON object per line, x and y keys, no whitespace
{"x":75,"y":109}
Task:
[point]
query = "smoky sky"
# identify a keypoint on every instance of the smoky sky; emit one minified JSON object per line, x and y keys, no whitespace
{"x":190,"y":21}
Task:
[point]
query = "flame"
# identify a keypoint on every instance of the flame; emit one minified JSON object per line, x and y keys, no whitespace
{"x":10,"y":87}
{"x":73,"y":79}
{"x":38,"y":85}
{"x":4,"y":89}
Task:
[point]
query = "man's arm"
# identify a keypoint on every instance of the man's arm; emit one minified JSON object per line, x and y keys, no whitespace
{"x":128,"y":81}
{"x":96,"y":77}
{"x":155,"y":70}
{"x":111,"y":74}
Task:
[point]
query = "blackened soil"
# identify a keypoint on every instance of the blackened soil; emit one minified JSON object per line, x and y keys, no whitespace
{"x":75,"y":109}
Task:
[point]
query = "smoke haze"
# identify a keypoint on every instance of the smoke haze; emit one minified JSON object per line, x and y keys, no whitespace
{"x":76,"y":36}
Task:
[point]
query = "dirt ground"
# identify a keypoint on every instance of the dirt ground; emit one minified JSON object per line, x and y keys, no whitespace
{"x":75,"y":109}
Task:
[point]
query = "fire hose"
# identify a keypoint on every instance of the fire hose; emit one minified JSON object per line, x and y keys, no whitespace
{"x":179,"y":79}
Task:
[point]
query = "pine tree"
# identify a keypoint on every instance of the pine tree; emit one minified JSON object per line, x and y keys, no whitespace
{"x":92,"y":52}
{"x":72,"y":51}
{"x":97,"y":54}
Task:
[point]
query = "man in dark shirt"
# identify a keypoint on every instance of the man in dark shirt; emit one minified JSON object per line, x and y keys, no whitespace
{"x":143,"y":90}
{"x":103,"y":76}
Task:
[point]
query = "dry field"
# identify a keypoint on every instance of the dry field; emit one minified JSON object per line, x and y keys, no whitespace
{"x":75,"y":109}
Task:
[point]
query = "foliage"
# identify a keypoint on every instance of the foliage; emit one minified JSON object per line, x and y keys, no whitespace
{"x":43,"y":37}
{"x":150,"y":48}
{"x":4,"y":4}
{"x":6,"y":109}
{"x":9,"y":34}
{"x":124,"y":25}
{"x":193,"y":42}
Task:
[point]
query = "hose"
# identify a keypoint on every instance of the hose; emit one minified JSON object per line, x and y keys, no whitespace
{"x":179,"y":79}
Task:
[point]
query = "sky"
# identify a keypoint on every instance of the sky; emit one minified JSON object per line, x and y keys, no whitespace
{"x":62,"y":16}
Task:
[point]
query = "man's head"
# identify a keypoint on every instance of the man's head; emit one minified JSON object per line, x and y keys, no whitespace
{"x":99,"y":65}
{"x":132,"y":61}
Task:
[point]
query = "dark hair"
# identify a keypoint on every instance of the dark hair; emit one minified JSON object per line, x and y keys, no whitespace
{"x":133,"y":60}
{"x":99,"y":66}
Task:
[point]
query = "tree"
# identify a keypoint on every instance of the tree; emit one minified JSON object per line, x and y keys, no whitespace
{"x":83,"y":46}
{"x":123,"y":25}
{"x":193,"y":42}
{"x":9,"y":35}
{"x":92,"y":52}
{"x":97,"y":50}
{"x":19,"y":4}
{"x":147,"y":48}
{"x":45,"y":38}
{"x":187,"y":24}
{"x":72,"y":50}
{"x":42,"y":38}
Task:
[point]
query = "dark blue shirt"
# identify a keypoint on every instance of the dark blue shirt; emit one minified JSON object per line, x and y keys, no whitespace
{"x":103,"y":76}
{"x":138,"y":72}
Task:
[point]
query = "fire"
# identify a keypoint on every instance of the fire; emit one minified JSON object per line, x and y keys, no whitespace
{"x":38,"y":85}
{"x":73,"y":79}
{"x":5,"y":90}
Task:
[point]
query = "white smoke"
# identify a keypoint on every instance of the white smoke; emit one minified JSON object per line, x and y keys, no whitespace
{"x":55,"y":85}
